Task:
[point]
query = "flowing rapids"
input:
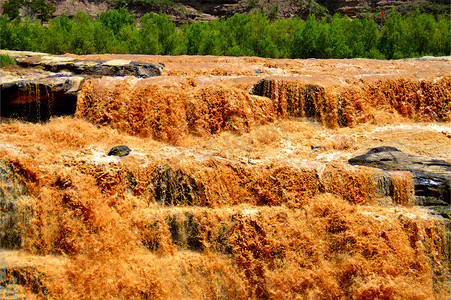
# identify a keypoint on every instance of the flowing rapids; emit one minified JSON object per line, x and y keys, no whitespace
{"x":228,"y":194}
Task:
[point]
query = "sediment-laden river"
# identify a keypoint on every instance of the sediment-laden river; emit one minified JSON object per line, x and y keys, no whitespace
{"x":237,"y":185}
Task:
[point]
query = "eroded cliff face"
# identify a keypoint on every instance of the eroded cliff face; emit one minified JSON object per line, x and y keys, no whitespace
{"x":185,"y":11}
{"x":354,"y":7}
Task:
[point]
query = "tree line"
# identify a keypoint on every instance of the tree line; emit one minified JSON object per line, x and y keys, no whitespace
{"x":117,"y":31}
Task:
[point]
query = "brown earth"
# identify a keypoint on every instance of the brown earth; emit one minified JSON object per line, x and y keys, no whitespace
{"x":185,"y":11}
{"x":223,"y":195}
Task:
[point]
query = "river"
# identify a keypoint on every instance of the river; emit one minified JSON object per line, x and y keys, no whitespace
{"x":227,"y":195}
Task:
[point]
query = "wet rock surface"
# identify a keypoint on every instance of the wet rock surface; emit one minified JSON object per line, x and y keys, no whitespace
{"x":121,"y":150}
{"x":36,"y":95}
{"x":38,"y":99}
{"x":22,"y":276}
{"x":224,"y":200}
{"x":115,"y":67}
{"x":14,"y":210}
{"x":432,"y":177}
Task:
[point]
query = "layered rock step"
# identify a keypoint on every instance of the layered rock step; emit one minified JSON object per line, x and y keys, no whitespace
{"x":432,"y":177}
{"x":258,"y":246}
{"x":52,"y":88}
{"x":201,"y":182}
{"x":168,"y":110}
{"x":115,"y":67}
{"x":324,"y":98}
{"x":178,"y":217}
{"x":259,"y":217}
{"x":348,"y":105}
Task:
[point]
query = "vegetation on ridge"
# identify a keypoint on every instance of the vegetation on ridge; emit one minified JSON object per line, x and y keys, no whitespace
{"x":254,"y":34}
{"x":6,"y":60}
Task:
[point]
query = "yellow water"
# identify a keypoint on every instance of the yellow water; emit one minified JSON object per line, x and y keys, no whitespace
{"x":257,"y":212}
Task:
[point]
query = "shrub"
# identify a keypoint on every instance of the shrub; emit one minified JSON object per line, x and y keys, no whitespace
{"x":114,"y":20}
{"x":253,"y":34}
{"x":6,"y":60}
{"x":11,"y":8}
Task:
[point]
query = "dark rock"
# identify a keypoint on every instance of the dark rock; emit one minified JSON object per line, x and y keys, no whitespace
{"x":121,"y":150}
{"x":24,"y":276}
{"x":38,"y":93}
{"x":185,"y":231}
{"x":382,"y":149}
{"x":431,"y":177}
{"x":316,"y":147}
{"x":174,"y":187}
{"x":37,"y":99}
{"x":14,"y":209}
{"x":443,"y":211}
{"x":117,"y":67}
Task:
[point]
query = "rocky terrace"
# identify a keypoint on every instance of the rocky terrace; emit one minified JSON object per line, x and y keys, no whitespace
{"x":238,"y":184}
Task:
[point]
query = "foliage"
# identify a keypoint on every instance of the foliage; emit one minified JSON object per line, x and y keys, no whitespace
{"x":158,"y":35}
{"x":43,"y":11}
{"x":11,"y":8}
{"x":116,"y":19}
{"x":6,"y":60}
{"x":437,"y":7}
{"x":400,"y":36}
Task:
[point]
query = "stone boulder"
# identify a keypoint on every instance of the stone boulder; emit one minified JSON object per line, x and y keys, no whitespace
{"x":116,"y":67}
{"x":431,"y":177}
{"x":37,"y":98}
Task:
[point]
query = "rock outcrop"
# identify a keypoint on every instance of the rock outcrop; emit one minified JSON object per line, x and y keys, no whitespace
{"x":37,"y":99}
{"x":431,"y":177}
{"x":51,"y":85}
{"x":256,"y":213}
{"x":116,"y":67}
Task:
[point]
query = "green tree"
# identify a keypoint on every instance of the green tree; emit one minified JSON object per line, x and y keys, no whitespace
{"x":355,"y":37}
{"x":194,"y":33}
{"x":149,"y":42}
{"x":129,"y":38}
{"x":420,"y":27}
{"x":394,"y":42}
{"x":25,"y":35}
{"x":105,"y":41}
{"x":6,"y":33}
{"x":82,"y":36}
{"x":259,"y":40}
{"x":11,"y":8}
{"x":440,"y":37}
{"x":6,"y":60}
{"x":158,"y":35}
{"x":370,"y":37}
{"x":305,"y":40}
{"x":114,"y":20}
{"x":281,"y":33}
{"x":43,"y":11}
{"x":59,"y":33}
{"x":236,"y":35}
{"x":336,"y":42}
{"x":212,"y":41}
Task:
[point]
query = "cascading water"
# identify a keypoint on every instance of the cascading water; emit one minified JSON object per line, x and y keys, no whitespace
{"x":225,"y":195}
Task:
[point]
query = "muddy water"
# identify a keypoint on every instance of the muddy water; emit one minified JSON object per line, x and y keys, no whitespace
{"x":223,"y":195}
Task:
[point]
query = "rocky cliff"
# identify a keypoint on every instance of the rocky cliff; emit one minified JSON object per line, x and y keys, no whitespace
{"x":183,"y":11}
